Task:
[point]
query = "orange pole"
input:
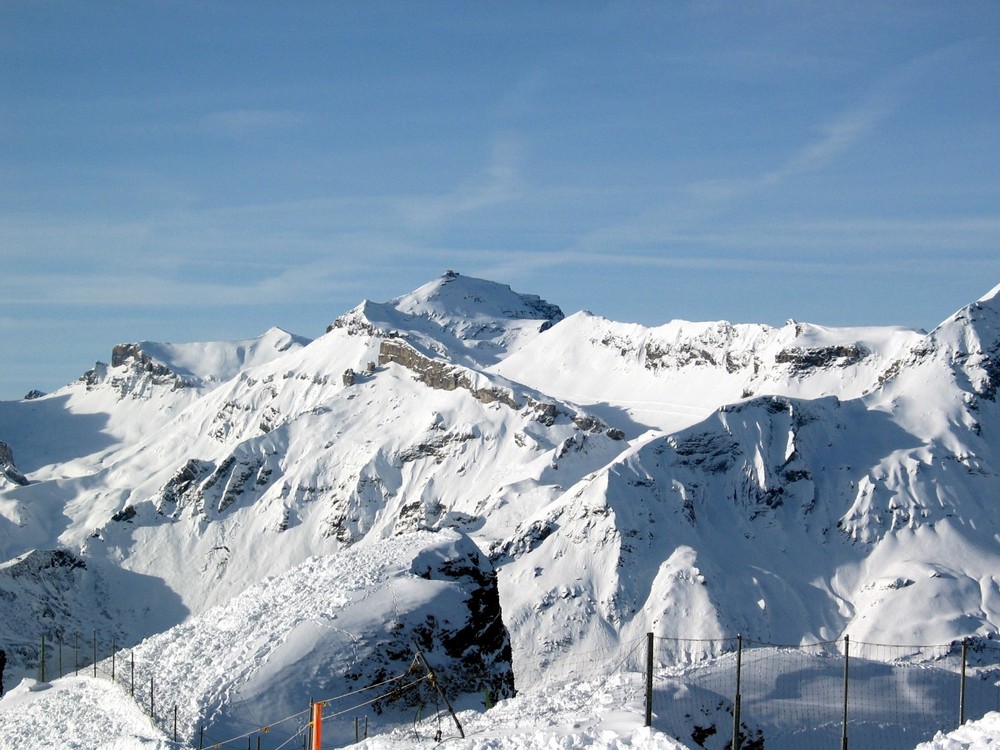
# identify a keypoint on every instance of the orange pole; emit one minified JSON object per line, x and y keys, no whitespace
{"x":317,"y":722}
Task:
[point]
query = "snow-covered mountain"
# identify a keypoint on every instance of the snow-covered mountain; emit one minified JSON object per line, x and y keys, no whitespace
{"x":793,"y":484}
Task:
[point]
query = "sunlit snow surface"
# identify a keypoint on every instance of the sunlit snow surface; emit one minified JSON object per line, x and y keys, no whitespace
{"x":98,"y":715}
{"x":78,"y":713}
{"x":976,"y":735}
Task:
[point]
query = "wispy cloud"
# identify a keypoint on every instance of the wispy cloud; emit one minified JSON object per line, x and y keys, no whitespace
{"x":835,"y":137}
{"x":498,"y":183}
{"x":244,"y":123}
{"x":704,"y":212}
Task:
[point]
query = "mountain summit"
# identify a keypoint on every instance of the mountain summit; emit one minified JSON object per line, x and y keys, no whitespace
{"x":477,"y":320}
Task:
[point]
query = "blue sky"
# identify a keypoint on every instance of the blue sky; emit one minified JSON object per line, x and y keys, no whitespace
{"x":186,"y":171}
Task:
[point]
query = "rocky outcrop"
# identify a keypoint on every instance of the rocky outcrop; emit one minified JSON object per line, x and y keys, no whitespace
{"x":480,"y":645}
{"x":132,"y":372}
{"x":355,"y":324}
{"x":471,"y":644}
{"x":801,"y":360}
{"x":440,"y":375}
{"x":204,"y":486}
{"x":8,"y":471}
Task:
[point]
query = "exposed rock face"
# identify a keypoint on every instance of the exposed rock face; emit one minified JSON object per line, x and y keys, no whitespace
{"x":800,"y":359}
{"x":716,"y":346}
{"x":441,"y":375}
{"x":474,"y":645}
{"x":8,"y":471}
{"x":355,"y":324}
{"x":210,"y":489}
{"x":132,"y":373}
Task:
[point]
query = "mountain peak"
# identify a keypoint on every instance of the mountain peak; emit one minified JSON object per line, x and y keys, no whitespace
{"x":452,"y":296}
{"x":476,"y":318}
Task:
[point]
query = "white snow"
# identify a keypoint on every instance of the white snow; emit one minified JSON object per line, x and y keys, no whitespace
{"x":694,"y":480}
{"x":94,"y":714}
{"x":75,"y":713}
{"x":976,"y":735}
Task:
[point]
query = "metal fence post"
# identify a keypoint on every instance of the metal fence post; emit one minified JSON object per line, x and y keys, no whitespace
{"x":961,"y":690}
{"x":434,"y":682}
{"x":41,"y":664}
{"x":649,"y":679}
{"x":95,"y":653}
{"x":738,"y":700}
{"x":847,"y":660}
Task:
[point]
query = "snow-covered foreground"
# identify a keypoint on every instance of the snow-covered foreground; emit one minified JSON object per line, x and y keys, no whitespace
{"x":82,"y":712}
{"x":976,"y":735}
{"x":76,"y":713}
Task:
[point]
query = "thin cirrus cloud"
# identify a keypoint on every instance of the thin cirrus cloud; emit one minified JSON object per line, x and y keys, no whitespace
{"x":144,"y":290}
{"x":695,"y":204}
{"x":840,"y":133}
{"x":836,"y":137}
{"x":248,"y":123}
{"x":498,"y":183}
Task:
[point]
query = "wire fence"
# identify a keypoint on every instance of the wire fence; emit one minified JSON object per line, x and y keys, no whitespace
{"x":746,"y":695}
{"x":353,"y":713}
{"x":716,"y":694}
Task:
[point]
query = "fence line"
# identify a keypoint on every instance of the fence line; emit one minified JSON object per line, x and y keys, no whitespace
{"x":121,"y":667}
{"x":718,"y":694}
{"x":818,"y":695}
